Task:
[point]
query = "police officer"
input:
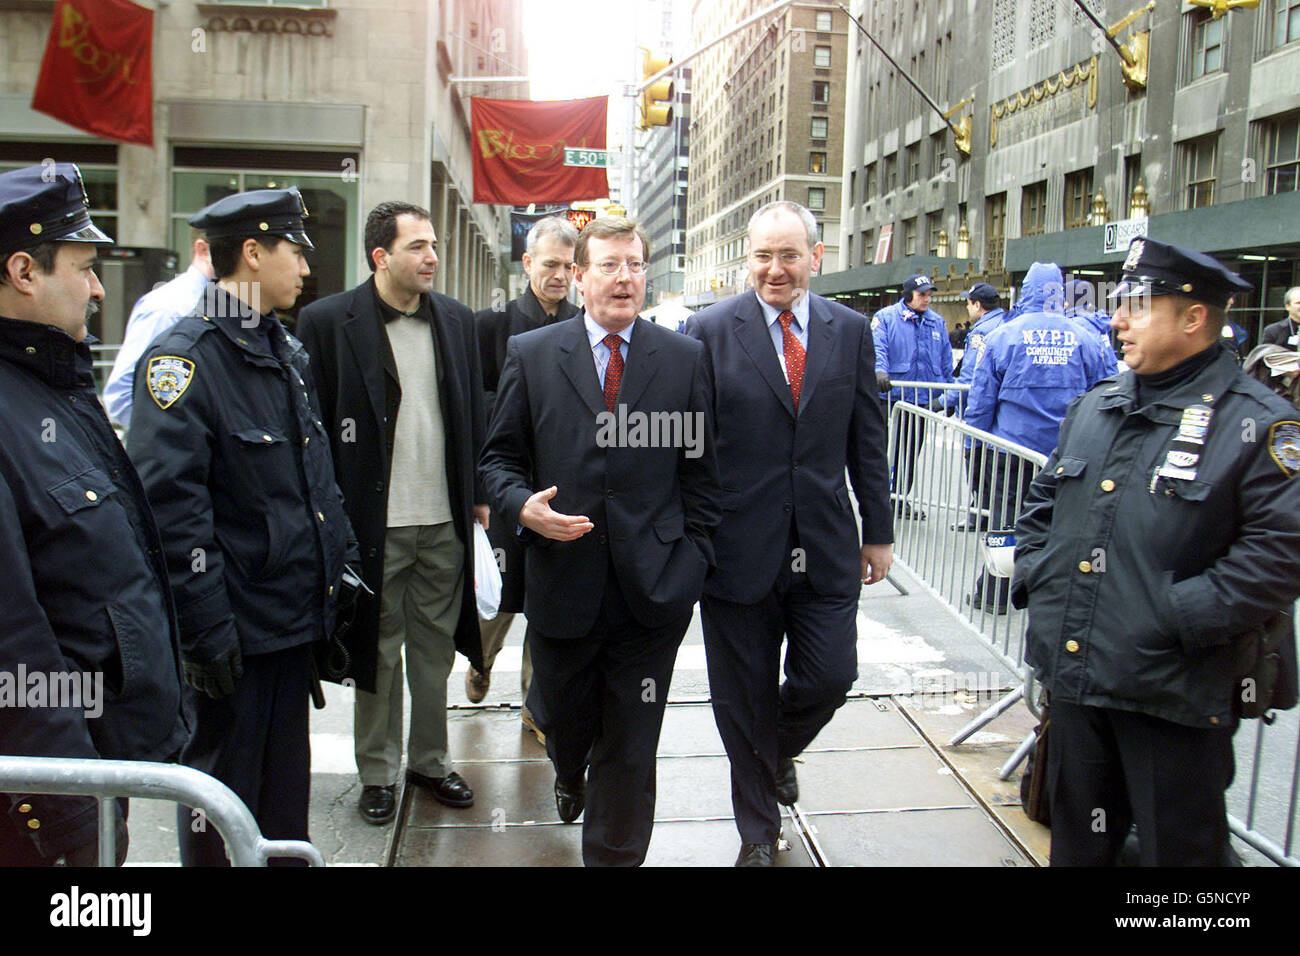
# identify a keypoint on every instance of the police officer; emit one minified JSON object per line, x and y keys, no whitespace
{"x":86,"y":606}
{"x":911,"y":344}
{"x":1163,"y":529}
{"x":238,"y":469}
{"x":1079,"y":302}
{"x":986,"y":313}
{"x":1027,"y":372}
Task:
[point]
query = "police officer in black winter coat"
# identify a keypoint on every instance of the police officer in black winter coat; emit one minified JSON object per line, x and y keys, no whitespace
{"x":237,"y":466}
{"x":1162,"y":533}
{"x":89,"y":663}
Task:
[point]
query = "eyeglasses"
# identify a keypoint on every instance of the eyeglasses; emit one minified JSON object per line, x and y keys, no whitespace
{"x":787,"y":258}
{"x":611,"y":267}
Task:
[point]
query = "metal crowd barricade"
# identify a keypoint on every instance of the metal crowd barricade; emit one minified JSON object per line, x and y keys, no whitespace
{"x":949,"y":484}
{"x":109,"y":779}
{"x":938,"y":483}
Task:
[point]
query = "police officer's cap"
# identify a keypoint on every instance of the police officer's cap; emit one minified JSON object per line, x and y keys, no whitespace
{"x":1158,"y":268}
{"x":983,"y":293}
{"x":45,"y":203}
{"x":258,"y":212}
{"x":917,"y":283}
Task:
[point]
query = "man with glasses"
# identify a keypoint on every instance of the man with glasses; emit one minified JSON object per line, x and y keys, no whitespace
{"x":1287,"y":331}
{"x":601,"y":453}
{"x":548,"y":263}
{"x":793,"y":386}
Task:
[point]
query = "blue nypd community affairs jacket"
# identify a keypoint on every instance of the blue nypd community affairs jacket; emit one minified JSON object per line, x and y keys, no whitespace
{"x":1030,"y":368}
{"x":911,"y":347}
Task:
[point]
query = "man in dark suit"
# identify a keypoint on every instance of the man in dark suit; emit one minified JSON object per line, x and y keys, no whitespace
{"x":794,"y":395}
{"x":548,"y":263}
{"x":397,"y":367}
{"x":1287,"y":331}
{"x":601,"y":444}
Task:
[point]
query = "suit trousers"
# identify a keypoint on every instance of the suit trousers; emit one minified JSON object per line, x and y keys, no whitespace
{"x":420,"y":605}
{"x":603,"y":697}
{"x":761,"y":720}
{"x":494,"y":638}
{"x":255,"y":741}
{"x":1108,"y":769}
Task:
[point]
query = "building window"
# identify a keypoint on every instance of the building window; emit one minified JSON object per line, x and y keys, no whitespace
{"x":933,"y":226}
{"x":909,"y":236}
{"x":1132,"y":176}
{"x":1078,"y":198}
{"x":822,"y":56}
{"x":1208,"y":38}
{"x":1033,"y":209}
{"x":938,"y":152}
{"x":1198,"y":170}
{"x":995,"y":225}
{"x":869,"y":192}
{"x":912,"y":157}
{"x":1281,"y":139}
{"x":1286,"y":22}
{"x":823,"y":21}
{"x":820,"y":127}
{"x":868,"y":248}
{"x":816,"y":197}
{"x":821,"y":91}
{"x":817,"y":162}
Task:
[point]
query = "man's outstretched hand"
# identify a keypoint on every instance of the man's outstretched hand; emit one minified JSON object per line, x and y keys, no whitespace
{"x":537,"y":515}
{"x":876,"y":561}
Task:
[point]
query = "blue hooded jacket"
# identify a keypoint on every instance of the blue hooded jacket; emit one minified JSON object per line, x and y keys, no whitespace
{"x":1033,"y":365}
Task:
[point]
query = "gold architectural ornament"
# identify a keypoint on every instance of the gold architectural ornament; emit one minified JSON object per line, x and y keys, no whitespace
{"x":961,"y":130}
{"x":963,"y":241}
{"x":1135,"y":54}
{"x":1138,"y":205}
{"x":1219,"y":8}
{"x":1100,"y":212}
{"x":1049,"y":87}
{"x":941,"y":245}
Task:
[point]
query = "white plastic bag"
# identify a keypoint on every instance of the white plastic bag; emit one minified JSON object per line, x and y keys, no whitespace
{"x":1000,"y":552}
{"x":487,"y":576}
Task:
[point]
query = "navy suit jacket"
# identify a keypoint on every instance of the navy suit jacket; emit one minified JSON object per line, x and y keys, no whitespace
{"x":654,"y":508}
{"x":778,"y":467}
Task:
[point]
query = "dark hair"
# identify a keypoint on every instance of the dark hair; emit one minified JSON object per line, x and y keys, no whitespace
{"x":43,"y":255}
{"x":381,"y":226}
{"x":228,"y":250}
{"x":609,"y":227}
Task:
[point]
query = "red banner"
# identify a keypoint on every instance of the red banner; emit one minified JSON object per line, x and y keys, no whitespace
{"x":519,"y":148}
{"x":97,"y":74}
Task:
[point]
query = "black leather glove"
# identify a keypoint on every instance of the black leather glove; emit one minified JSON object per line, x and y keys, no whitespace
{"x":216,"y":677}
{"x":882,"y":382}
{"x":88,"y":855}
{"x":937,"y":403}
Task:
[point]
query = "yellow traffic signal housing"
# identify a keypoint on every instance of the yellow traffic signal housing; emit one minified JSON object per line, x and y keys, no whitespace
{"x":656,"y":99}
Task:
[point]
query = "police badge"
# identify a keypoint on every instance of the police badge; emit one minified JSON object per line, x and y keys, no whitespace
{"x":1284,"y":446}
{"x":1134,"y":255}
{"x":169,"y":376}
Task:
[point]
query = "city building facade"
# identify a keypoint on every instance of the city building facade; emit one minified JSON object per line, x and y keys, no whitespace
{"x":1068,"y":149}
{"x":353,"y":101}
{"x":767,"y":123}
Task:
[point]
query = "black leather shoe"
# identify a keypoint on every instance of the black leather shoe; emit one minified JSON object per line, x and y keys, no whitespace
{"x":787,"y":784}
{"x":570,"y":799}
{"x":757,"y":854}
{"x":377,"y":804}
{"x":451,"y":790}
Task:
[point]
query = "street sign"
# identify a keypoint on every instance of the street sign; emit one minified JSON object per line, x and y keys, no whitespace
{"x":1119,"y":234}
{"x":585,"y":157}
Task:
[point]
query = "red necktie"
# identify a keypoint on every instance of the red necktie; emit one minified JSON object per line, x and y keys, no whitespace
{"x":613,"y":371}
{"x":794,"y":356}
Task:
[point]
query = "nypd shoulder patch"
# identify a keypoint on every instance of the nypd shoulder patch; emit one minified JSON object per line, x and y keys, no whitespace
{"x":1284,"y":446}
{"x":169,"y":377}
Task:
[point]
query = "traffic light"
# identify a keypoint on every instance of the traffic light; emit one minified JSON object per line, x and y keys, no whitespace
{"x":656,"y":99}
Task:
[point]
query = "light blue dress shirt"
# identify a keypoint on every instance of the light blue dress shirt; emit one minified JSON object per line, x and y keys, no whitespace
{"x":599,"y":350}
{"x":799,"y":327}
{"x":154,"y":313}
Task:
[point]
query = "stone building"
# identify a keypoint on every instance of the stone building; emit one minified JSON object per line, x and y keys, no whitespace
{"x":350,"y":100}
{"x":1207,"y":151}
{"x":767,"y":123}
